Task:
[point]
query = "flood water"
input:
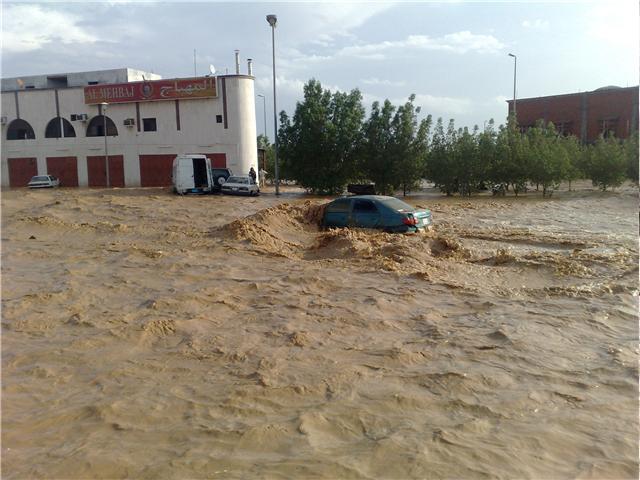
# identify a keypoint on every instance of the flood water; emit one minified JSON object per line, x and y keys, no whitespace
{"x":146,"y":335}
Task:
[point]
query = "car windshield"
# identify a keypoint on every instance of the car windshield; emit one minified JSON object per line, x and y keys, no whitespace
{"x":238,"y":180}
{"x":398,"y":205}
{"x":39,"y":179}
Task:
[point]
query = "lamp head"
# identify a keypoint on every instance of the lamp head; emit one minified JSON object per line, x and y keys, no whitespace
{"x":272,"y":19}
{"x":512,"y":55}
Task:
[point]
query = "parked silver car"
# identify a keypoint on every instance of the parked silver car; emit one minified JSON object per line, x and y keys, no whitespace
{"x":240,"y":185}
{"x":43,"y":181}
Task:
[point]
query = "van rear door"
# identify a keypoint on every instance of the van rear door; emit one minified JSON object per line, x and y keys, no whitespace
{"x":200,"y":173}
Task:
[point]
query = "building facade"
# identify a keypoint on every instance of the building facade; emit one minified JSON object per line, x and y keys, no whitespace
{"x":587,"y":115}
{"x":55,"y":124}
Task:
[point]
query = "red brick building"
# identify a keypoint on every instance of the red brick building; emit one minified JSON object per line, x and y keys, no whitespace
{"x":609,"y":110}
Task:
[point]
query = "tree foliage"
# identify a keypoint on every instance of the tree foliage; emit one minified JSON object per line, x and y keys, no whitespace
{"x":407,"y":147}
{"x":328,"y":143}
{"x":631,"y":152}
{"x":547,"y":159}
{"x":319,"y":145}
{"x":376,"y":153}
{"x":263,"y":142}
{"x":607,"y":163}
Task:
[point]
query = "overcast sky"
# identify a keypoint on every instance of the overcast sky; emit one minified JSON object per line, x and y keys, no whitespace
{"x":453,"y":55}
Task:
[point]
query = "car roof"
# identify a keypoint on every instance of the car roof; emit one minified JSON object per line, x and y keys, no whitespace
{"x":379,"y":198}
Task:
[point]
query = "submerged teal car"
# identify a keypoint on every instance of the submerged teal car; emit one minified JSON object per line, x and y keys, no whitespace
{"x":375,"y":211}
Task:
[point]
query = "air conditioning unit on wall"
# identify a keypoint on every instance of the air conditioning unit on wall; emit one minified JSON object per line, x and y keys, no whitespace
{"x":3,"y":120}
{"x":129,"y":122}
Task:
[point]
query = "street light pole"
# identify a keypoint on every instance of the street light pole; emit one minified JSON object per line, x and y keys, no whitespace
{"x":272,"y":19}
{"x":106,"y":152}
{"x":264,"y":109}
{"x":515,"y":65}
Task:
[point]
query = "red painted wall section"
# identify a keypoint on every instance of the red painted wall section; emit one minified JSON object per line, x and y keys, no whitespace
{"x":155,"y":170}
{"x":65,"y":168}
{"x":611,"y":104}
{"x":97,"y":171}
{"x":218,"y":160}
{"x":559,"y":109}
{"x":592,"y":107}
{"x":21,"y":170}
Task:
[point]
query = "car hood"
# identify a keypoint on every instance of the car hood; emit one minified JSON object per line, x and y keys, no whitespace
{"x":232,"y":184}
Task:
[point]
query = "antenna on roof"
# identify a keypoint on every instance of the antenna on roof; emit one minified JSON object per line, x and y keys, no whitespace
{"x":212,"y":69}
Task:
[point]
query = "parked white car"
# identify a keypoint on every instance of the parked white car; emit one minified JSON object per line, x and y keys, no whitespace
{"x":43,"y":181}
{"x":240,"y":185}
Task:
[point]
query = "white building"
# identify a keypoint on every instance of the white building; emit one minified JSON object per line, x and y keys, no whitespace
{"x":54,"y":124}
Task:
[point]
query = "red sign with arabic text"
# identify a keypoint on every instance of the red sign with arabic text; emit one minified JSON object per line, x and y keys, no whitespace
{"x":151,"y":90}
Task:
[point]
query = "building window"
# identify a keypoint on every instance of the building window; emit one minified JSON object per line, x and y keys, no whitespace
{"x":149,"y":125}
{"x":20,"y":130}
{"x":59,"y":127}
{"x":608,"y":127}
{"x":564,"y":128}
{"x":218,"y":118}
{"x":92,"y":83}
{"x":96,"y":127}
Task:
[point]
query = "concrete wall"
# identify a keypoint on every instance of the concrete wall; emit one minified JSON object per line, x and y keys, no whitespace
{"x":77,"y":79}
{"x":199,"y":131}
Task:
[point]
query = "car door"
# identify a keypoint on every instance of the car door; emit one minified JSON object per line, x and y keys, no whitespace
{"x":337,"y":213}
{"x":365,"y":213}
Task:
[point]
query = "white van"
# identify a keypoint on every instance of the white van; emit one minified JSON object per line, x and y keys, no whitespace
{"x":191,"y":174}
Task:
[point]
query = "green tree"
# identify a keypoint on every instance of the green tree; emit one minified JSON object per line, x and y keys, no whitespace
{"x":263,"y":143}
{"x":319,"y":145}
{"x":440,"y":166}
{"x":500,"y":165}
{"x":547,"y":160}
{"x":607,"y":163}
{"x":469,"y":170}
{"x":575,"y":154}
{"x":487,"y":151}
{"x":409,"y":146}
{"x":286,"y":152}
{"x":510,"y":161}
{"x":376,"y":160}
{"x":631,"y":152}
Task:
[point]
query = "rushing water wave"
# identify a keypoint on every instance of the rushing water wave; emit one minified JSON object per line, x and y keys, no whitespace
{"x":153,"y":336}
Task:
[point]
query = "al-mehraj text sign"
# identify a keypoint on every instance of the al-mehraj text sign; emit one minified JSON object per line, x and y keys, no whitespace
{"x":151,"y":90}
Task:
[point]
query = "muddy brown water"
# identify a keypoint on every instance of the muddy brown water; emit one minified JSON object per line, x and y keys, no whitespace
{"x":146,"y":335}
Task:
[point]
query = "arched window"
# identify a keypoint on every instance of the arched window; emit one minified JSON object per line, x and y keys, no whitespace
{"x":96,"y":127}
{"x":20,"y":130}
{"x":59,"y":127}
